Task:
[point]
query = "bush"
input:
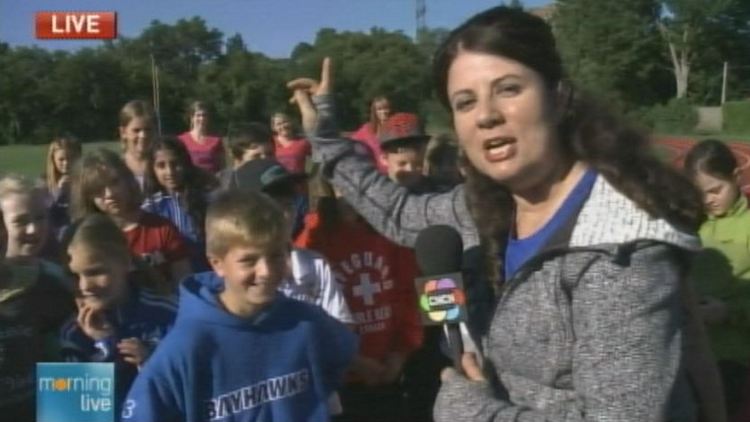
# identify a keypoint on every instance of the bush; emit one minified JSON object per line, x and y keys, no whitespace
{"x":736,"y":115}
{"x":676,"y":116}
{"x":436,"y":117}
{"x":641,"y":117}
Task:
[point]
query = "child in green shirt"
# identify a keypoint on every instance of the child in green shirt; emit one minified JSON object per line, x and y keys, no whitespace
{"x":721,"y":272}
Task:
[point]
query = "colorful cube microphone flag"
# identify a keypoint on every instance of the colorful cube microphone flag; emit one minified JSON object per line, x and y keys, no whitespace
{"x":442,"y":300}
{"x":439,"y":251}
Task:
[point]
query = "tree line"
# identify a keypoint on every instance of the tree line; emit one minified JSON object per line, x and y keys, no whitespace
{"x":642,"y":52}
{"x":637,"y":54}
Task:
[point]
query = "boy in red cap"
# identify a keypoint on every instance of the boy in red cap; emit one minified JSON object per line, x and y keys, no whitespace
{"x":403,"y":142}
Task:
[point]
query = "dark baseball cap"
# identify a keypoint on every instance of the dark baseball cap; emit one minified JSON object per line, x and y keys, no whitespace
{"x":402,"y":129}
{"x":264,"y":175}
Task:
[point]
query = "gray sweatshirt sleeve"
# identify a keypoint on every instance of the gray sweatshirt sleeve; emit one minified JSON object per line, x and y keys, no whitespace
{"x":388,"y":207}
{"x":626,"y":358}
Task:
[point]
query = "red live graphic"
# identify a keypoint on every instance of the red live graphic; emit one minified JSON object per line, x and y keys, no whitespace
{"x":76,"y":25}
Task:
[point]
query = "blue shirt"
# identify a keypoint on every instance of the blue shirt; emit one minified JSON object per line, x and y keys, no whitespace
{"x":281,"y":364}
{"x":145,"y":316}
{"x":169,"y":207}
{"x":519,"y":251}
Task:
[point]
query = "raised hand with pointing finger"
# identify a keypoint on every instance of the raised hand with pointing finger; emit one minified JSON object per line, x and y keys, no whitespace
{"x":305,"y":88}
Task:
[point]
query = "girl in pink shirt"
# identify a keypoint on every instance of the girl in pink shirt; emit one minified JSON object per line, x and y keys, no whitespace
{"x":206,"y":151}
{"x":380,"y":110}
{"x":291,"y":150}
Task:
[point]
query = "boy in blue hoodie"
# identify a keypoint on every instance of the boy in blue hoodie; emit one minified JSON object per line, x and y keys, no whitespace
{"x":240,"y":351}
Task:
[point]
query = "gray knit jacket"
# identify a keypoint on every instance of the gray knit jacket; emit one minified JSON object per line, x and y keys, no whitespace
{"x":588,"y":330}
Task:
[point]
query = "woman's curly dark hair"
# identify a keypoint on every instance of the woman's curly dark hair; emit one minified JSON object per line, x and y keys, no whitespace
{"x":588,"y":131}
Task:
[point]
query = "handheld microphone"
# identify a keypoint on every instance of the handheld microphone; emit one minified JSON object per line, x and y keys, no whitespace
{"x":439,"y":252}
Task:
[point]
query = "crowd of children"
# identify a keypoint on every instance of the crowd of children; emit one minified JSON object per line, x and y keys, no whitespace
{"x":247,"y":290}
{"x":253,"y":290}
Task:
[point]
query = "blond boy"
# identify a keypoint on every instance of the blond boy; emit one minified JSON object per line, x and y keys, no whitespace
{"x":240,"y":350}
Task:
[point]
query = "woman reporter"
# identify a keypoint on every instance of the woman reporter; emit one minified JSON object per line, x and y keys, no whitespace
{"x":587,"y":235}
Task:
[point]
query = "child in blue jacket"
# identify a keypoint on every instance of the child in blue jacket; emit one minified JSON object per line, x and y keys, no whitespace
{"x":118,"y":320}
{"x":241,"y":351}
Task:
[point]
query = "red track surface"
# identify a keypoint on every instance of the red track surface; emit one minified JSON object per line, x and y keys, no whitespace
{"x":680,"y":146}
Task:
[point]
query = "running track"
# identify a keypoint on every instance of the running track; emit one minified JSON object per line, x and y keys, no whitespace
{"x":678,"y":147}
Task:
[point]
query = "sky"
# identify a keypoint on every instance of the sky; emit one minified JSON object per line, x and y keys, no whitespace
{"x":272,"y":27}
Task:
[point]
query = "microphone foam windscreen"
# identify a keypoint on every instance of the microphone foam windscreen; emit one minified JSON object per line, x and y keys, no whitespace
{"x":439,"y":250}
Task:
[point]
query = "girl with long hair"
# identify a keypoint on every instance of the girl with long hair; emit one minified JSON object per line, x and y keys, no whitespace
{"x":291,"y":150}
{"x":62,"y":154}
{"x":369,"y":133}
{"x":102,"y":184}
{"x":177,"y":190}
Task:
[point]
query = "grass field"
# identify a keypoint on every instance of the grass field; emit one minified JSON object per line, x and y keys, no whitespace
{"x":720,"y":136}
{"x":29,"y":160}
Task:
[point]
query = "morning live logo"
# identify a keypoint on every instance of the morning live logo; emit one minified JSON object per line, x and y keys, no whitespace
{"x":75,"y":392}
{"x":76,"y":25}
{"x":441,"y":299}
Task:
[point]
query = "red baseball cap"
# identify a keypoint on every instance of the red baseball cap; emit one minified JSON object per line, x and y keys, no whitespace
{"x":402,"y":129}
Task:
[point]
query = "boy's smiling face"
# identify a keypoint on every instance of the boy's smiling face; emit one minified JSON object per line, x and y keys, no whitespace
{"x":251,"y":276}
{"x":26,"y":223}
